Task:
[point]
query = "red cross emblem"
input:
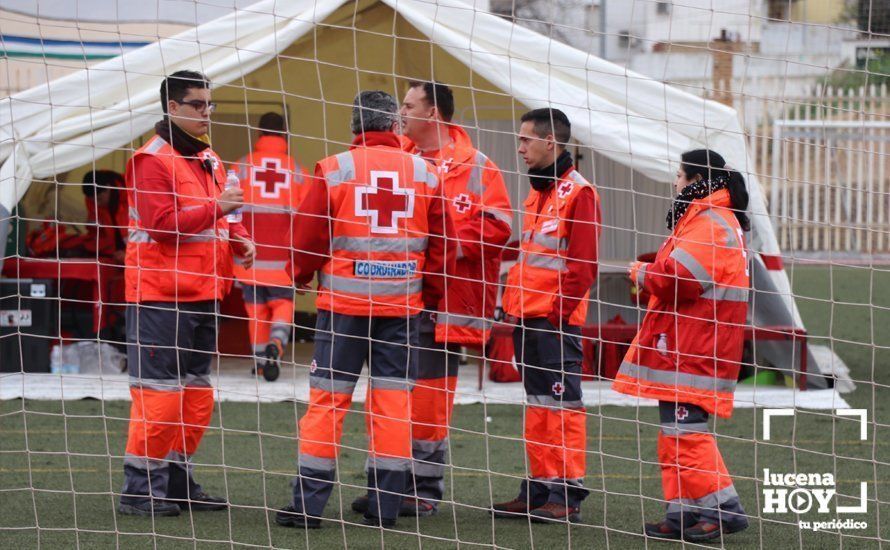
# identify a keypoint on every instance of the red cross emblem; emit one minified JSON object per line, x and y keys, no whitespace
{"x":384,"y":202}
{"x":270,"y":178}
{"x":208,"y":156}
{"x":462,"y":203}
{"x":558,"y":388}
{"x":564,"y":189}
{"x":681,"y":413}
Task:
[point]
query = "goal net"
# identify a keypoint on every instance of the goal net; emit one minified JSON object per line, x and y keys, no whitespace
{"x":791,"y":93}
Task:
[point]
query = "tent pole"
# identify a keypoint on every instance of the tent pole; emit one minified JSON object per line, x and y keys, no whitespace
{"x":603,"y":29}
{"x":5,"y":217}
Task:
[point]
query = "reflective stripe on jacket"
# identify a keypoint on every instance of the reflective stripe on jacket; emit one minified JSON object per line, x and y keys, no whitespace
{"x":273,"y":184}
{"x":479,"y":205}
{"x":379,"y":200}
{"x":690,"y":344}
{"x":533,"y":284}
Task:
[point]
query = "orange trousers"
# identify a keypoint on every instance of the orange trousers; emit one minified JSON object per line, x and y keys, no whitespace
{"x":164,"y":421}
{"x":269,"y":320}
{"x":696,"y":484}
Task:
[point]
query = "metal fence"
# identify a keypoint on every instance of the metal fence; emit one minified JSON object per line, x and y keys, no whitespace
{"x":823,"y":160}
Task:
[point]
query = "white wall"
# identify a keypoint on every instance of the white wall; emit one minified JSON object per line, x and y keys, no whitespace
{"x":702,"y":20}
{"x":694,"y":21}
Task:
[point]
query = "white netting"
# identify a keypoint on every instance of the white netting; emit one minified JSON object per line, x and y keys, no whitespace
{"x":793,"y":93}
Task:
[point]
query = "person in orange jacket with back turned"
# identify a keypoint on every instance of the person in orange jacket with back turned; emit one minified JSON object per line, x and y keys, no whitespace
{"x":546,"y":295}
{"x":477,"y":202}
{"x":687,"y":352}
{"x":374,"y":227}
{"x":106,"y":202}
{"x":274,"y":184}
{"x":178,"y":266}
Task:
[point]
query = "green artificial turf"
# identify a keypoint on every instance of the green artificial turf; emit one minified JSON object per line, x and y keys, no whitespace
{"x":60,"y":462}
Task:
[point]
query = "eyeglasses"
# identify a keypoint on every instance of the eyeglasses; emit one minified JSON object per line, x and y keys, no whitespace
{"x":199,"y":105}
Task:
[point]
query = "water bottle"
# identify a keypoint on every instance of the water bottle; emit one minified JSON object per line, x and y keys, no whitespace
{"x":70,"y":360}
{"x":662,"y":345}
{"x":232,"y":182}
{"x":88,"y":357}
{"x":55,"y":360}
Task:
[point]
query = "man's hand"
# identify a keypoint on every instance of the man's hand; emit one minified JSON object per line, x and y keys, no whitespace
{"x":245,"y":251}
{"x":231,"y":199}
{"x":301,"y":289}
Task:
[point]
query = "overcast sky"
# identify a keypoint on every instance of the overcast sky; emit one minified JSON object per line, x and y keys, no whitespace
{"x":189,"y":12}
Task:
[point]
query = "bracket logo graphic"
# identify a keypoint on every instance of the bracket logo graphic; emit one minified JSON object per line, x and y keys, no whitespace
{"x":800,"y":492}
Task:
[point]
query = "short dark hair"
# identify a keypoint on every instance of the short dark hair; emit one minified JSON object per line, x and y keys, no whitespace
{"x":438,"y":95}
{"x":101,"y":180}
{"x":272,"y":123}
{"x":550,"y":122}
{"x":177,"y":86}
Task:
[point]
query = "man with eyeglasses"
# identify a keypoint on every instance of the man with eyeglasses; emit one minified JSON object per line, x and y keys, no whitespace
{"x":178,"y":266}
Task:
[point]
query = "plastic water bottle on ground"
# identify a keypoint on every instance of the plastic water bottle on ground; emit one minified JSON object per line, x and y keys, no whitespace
{"x":55,"y":360}
{"x":70,"y":360}
{"x":232,"y":182}
{"x":64,"y":359}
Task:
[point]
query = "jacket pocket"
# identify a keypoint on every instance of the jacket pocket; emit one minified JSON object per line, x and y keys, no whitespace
{"x":189,"y":266}
{"x":660,"y":338}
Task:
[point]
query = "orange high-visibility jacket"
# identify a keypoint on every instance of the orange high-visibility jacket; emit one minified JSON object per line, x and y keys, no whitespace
{"x":533,"y":284}
{"x":273,"y":184}
{"x":690,"y":344}
{"x":109,"y":229}
{"x":479,"y":206}
{"x":381,"y":216}
{"x":184,"y":267}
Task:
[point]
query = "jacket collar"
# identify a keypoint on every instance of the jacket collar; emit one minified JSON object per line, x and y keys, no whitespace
{"x":717,"y":199}
{"x":534,"y":194}
{"x":464,"y":154}
{"x":185,"y":144}
{"x":271,"y":144}
{"x":376,"y":139}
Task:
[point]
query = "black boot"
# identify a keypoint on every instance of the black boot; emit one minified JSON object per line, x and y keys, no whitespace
{"x":270,"y":367}
{"x":289,"y":517}
{"x":149,"y":508}
{"x":661,"y":530}
{"x":361,"y":504}
{"x":183,"y":491}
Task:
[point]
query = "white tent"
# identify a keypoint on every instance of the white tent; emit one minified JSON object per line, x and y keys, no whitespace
{"x":626,"y":117}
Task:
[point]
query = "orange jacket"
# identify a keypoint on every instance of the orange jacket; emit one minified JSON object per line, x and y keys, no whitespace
{"x":274,"y":184}
{"x":186,"y":258}
{"x":109,"y":231}
{"x":690,"y":344}
{"x":373,"y":223}
{"x":549,"y":261}
{"x":479,"y":206}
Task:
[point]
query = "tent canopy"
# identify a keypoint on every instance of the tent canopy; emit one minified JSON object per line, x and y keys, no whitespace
{"x":317,"y":55}
{"x":311,"y":57}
